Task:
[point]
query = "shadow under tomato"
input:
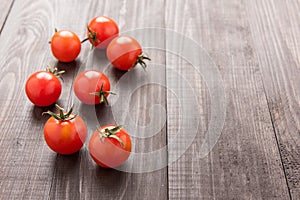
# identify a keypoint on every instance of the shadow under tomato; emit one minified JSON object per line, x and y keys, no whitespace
{"x":67,"y":165}
{"x":116,"y":73}
{"x":37,"y":112}
{"x":67,"y":172}
{"x":98,"y":59}
{"x":101,"y":53}
{"x":71,"y":68}
{"x":96,"y":115}
{"x":111,"y":179}
{"x":69,"y":159}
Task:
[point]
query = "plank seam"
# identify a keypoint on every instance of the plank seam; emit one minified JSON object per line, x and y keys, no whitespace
{"x":166,"y":102}
{"x":271,"y":118}
{"x":9,"y":10}
{"x":276,"y":138}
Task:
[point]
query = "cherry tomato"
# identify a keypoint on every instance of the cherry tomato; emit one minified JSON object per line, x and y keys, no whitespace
{"x":92,"y":87}
{"x":43,"y":88}
{"x":110,"y":146}
{"x":65,"y":133}
{"x":65,"y":45}
{"x":124,"y":52}
{"x":101,"y":30}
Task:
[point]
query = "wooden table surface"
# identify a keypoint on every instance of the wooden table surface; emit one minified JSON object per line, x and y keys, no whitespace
{"x":255,"y":45}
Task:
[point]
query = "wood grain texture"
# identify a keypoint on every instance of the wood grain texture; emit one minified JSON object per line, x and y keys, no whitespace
{"x":26,"y":162}
{"x":245,"y":163}
{"x":275,"y":28}
{"x":5,"y":8}
{"x":255,"y":45}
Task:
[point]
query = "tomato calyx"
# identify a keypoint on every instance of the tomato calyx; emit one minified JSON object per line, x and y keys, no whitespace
{"x":140,"y":60}
{"x":62,"y":116}
{"x":111,"y":133}
{"x":55,"y":71}
{"x":102,"y":94}
{"x":91,"y":36}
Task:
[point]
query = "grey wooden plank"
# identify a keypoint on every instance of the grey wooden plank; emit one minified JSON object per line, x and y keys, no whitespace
{"x":5,"y":9}
{"x":86,"y":180}
{"x":275,"y":28}
{"x":26,"y":163}
{"x":245,"y":162}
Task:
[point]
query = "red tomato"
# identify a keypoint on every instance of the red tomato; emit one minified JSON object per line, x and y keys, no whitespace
{"x":65,"y":45}
{"x":124,"y":52}
{"x":101,"y":30}
{"x":65,"y":133}
{"x":92,"y":87}
{"x":43,"y":88}
{"x":110,"y":146}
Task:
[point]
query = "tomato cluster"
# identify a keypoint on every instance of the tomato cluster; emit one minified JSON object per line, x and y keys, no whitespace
{"x":65,"y":132}
{"x":123,"y":52}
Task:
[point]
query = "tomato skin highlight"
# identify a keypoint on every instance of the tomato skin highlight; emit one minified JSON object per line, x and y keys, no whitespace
{"x":88,"y":82}
{"x":65,"y":46}
{"x":105,"y":28}
{"x":109,"y":153}
{"x":65,"y":137}
{"x":123,"y":52}
{"x":43,"y":88}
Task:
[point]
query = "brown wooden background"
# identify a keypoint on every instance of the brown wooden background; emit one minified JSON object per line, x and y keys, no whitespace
{"x":256,"y":46}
